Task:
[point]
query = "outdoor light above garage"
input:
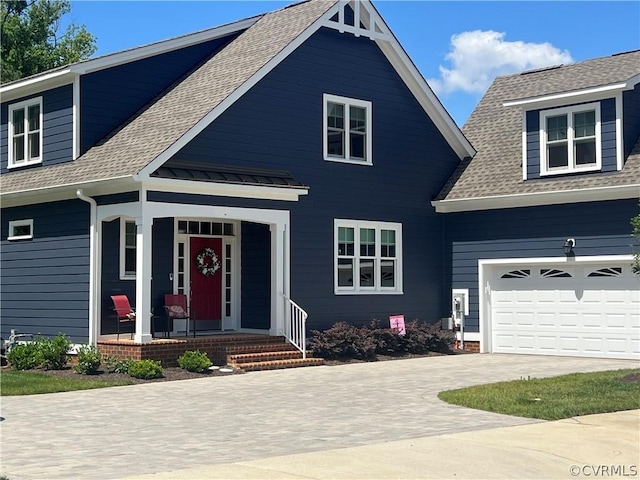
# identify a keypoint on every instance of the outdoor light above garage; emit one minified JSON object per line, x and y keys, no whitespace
{"x":569,"y":243}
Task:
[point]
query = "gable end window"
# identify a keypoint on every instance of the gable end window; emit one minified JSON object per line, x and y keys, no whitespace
{"x":347,"y":130}
{"x":128,"y":233}
{"x":368,"y":257}
{"x":570,"y":140}
{"x":25,"y":133}
{"x":20,"y":230}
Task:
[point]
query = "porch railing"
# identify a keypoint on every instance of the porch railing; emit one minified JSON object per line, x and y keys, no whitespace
{"x":296,"y":326}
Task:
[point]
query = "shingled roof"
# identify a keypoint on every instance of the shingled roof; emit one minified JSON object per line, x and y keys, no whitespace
{"x":495,"y":131}
{"x":173,"y":114}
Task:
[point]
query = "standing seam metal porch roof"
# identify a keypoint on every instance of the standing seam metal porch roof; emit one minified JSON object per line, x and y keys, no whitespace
{"x":173,"y":114}
{"x":495,"y":131}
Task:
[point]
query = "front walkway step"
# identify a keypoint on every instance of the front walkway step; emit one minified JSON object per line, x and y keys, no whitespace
{"x":259,"y":348}
{"x":242,"y":358}
{"x":277,"y":364}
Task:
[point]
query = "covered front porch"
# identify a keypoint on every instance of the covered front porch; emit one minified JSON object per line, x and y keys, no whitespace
{"x":151,"y":247}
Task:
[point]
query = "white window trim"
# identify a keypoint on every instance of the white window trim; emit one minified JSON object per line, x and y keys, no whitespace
{"x":20,"y":223}
{"x":377,"y":289}
{"x":326,"y":98}
{"x":569,"y":111}
{"x":123,"y":247}
{"x":28,"y":161}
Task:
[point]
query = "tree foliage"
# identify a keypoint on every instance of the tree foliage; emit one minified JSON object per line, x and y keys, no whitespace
{"x":32,"y":40}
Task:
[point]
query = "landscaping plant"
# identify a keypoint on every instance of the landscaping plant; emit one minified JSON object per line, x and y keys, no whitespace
{"x":194,"y":361}
{"x":89,"y":360}
{"x":114,"y":364}
{"x":55,"y":353}
{"x":145,"y":369}
{"x":25,"y":356}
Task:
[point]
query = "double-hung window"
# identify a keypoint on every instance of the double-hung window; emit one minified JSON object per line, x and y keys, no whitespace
{"x":25,"y":133}
{"x":128,"y":232}
{"x":570,"y":139}
{"x":368,"y":257}
{"x":347,"y":130}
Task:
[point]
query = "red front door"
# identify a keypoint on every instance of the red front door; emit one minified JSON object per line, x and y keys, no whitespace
{"x":206,"y":278}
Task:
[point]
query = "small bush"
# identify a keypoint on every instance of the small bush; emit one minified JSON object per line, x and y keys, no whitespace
{"x":25,"y":356}
{"x":89,"y":360}
{"x":343,"y":340}
{"x":145,"y":369}
{"x":194,"y":361}
{"x":55,"y":353}
{"x":115,"y":364}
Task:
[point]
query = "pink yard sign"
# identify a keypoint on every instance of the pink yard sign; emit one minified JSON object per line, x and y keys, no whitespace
{"x":397,"y":323}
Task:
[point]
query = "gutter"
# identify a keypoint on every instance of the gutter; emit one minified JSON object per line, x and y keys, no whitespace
{"x":93,"y":263}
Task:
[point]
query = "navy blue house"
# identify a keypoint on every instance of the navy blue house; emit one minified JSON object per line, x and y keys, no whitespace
{"x":297,"y":152}
{"x":297,"y":160}
{"x":537,"y":223}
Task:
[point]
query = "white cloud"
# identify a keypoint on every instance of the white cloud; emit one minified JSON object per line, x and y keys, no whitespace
{"x":478,"y":57}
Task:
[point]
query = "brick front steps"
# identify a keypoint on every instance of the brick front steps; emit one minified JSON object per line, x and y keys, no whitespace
{"x":249,"y":352}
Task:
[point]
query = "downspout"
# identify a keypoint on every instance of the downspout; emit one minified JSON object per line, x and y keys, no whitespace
{"x":93,"y":232}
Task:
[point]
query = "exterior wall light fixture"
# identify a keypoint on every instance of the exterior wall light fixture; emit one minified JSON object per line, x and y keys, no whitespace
{"x":569,"y":243}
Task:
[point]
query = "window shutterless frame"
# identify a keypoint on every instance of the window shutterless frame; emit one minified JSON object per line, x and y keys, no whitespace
{"x":25,"y":133}
{"x":347,"y":130}
{"x":128,"y":239}
{"x":20,"y":230}
{"x":570,"y":139}
{"x":367,"y":257}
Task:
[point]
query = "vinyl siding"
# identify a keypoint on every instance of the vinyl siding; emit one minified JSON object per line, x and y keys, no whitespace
{"x":278,"y":124}
{"x":57,"y":127}
{"x":256,"y":276}
{"x":608,"y":139}
{"x":45,"y":281}
{"x":533,"y":232}
{"x":112,"y":96}
{"x":631,"y":118}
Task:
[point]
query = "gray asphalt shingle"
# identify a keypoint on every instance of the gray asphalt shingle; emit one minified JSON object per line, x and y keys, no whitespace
{"x":495,"y":131}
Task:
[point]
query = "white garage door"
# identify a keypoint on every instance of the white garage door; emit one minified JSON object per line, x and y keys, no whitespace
{"x":590,"y":310}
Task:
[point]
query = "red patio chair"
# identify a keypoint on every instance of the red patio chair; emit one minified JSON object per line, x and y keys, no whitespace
{"x":176,"y":307}
{"x":123,"y":311}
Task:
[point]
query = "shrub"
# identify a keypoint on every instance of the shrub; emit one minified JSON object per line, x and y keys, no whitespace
{"x":25,"y":356}
{"x":54,"y":352}
{"x":145,"y":369}
{"x":194,"y":361}
{"x":88,"y":360}
{"x":115,"y":364}
{"x":343,"y":340}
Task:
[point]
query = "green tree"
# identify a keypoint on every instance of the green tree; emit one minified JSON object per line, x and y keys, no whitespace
{"x":31,"y":39}
{"x":635,"y":223}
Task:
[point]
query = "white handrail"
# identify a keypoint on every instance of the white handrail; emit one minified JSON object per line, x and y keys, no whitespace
{"x":296,"y":326}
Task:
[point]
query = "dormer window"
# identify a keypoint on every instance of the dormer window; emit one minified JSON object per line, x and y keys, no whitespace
{"x":570,"y":139}
{"x":25,"y":133}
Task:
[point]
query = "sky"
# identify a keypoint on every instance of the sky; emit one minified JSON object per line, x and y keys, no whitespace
{"x":458,"y":46}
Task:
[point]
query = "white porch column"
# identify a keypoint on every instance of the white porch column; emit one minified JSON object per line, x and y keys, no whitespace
{"x":143,"y":278}
{"x":279,"y":263}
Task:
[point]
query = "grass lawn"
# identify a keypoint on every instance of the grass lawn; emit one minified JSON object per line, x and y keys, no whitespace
{"x":554,"y":398}
{"x":13,"y":382}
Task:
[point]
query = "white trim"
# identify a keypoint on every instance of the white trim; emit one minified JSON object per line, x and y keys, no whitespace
{"x":377,"y":289}
{"x":472,"y":337}
{"x":576,"y":96}
{"x":347,"y":103}
{"x":619,"y":132}
{"x":36,"y":84}
{"x":123,"y":248}
{"x":569,"y":112}
{"x":233,"y":97}
{"x":485,"y":271}
{"x":13,"y":224}
{"x":24,"y":105}
{"x":94,"y":269}
{"x":557,"y":197}
{"x":223,"y":189}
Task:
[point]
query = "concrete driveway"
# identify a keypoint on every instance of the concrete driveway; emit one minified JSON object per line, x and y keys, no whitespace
{"x":164,"y":427}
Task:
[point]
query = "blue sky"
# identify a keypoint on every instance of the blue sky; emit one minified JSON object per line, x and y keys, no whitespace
{"x":459,"y":47}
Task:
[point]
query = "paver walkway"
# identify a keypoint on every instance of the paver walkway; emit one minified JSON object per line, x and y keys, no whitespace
{"x":141,"y":429}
